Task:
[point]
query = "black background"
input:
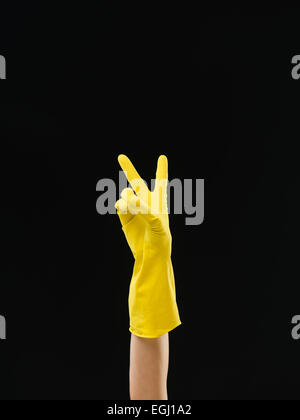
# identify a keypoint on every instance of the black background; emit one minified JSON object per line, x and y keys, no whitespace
{"x":213,"y":91}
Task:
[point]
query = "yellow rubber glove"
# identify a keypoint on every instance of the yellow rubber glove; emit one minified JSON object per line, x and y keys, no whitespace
{"x":145,"y":220}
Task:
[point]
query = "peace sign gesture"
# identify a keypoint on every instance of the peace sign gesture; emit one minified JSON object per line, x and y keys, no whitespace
{"x":139,"y":200}
{"x":145,"y":220}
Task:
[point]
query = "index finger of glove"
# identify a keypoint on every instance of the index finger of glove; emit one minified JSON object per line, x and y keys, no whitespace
{"x":133,"y":177}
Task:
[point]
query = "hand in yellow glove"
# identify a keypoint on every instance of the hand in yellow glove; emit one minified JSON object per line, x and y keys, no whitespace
{"x":145,"y":220}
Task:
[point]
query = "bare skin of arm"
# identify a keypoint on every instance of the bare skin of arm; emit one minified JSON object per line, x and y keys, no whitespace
{"x":149,"y":363}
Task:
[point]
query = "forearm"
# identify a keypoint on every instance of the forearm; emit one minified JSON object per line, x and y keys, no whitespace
{"x":153,"y":309}
{"x":149,"y":362}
